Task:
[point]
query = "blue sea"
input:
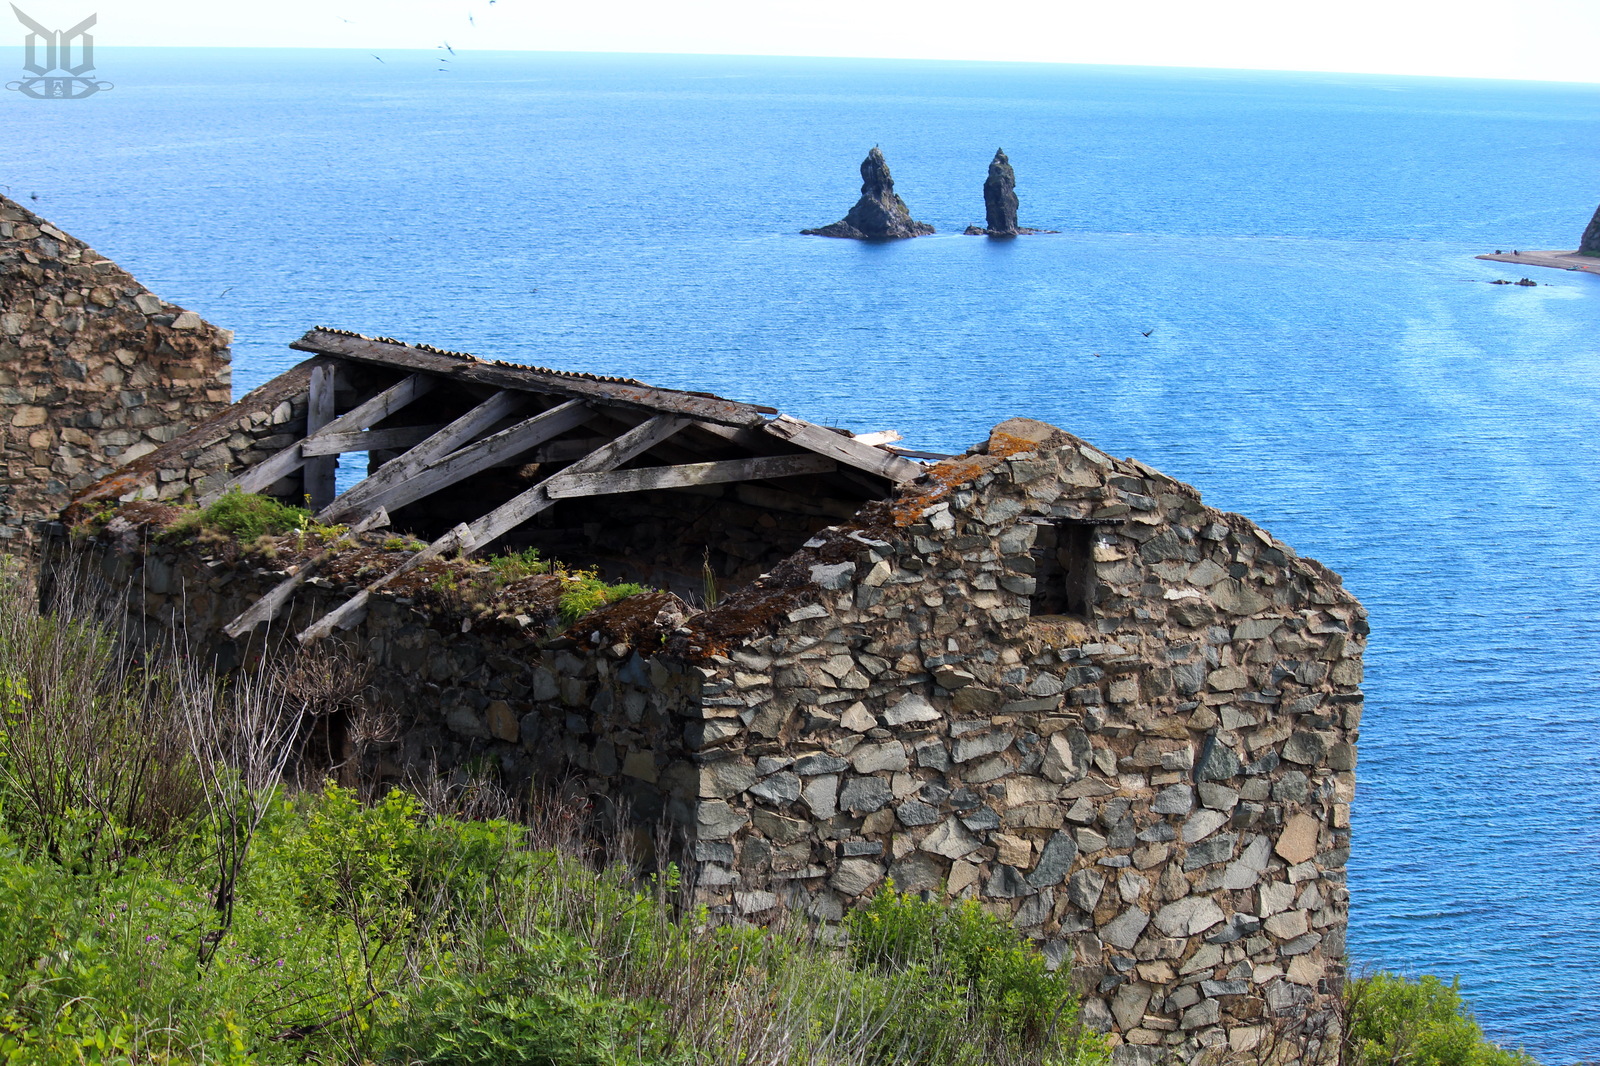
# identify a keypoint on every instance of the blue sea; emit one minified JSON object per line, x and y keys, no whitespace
{"x":1324,"y":353}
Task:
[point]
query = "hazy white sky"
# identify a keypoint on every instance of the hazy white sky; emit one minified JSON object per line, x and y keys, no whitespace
{"x":1556,"y":40}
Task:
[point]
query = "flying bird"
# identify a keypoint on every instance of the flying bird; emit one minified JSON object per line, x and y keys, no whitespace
{"x":447,"y":48}
{"x":1147,"y":332}
{"x":376,"y":56}
{"x":471,"y":21}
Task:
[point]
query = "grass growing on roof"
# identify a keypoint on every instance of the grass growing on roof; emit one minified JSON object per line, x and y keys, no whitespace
{"x":516,"y":565}
{"x":245,"y":515}
{"x":586,"y":591}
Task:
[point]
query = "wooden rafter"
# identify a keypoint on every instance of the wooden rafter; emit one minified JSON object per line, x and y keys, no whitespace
{"x":261,"y":476}
{"x":500,"y":521}
{"x":365,"y":493}
{"x":368,"y":440}
{"x":490,"y":451}
{"x":267,"y":607}
{"x":565,"y":485}
{"x":846,"y":450}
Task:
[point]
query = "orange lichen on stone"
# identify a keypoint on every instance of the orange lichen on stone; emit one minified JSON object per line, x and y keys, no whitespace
{"x":936,"y":484}
{"x":942,"y":478}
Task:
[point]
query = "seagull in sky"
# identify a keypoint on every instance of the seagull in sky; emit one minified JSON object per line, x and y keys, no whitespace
{"x":1147,"y":332}
{"x":376,"y":56}
{"x":447,"y":48}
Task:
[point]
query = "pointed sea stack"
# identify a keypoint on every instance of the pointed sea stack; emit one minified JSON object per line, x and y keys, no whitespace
{"x":1000,"y":201}
{"x":1000,"y":196}
{"x":880,"y":215}
{"x":1590,"y":245}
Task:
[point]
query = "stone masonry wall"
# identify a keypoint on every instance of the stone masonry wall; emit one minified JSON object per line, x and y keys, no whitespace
{"x":1162,"y":790}
{"x":94,"y":370}
{"x":588,"y":712}
{"x":1159,"y":788}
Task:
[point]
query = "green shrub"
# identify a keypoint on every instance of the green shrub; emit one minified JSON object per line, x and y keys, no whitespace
{"x":244,"y":515}
{"x":1392,"y":1019}
{"x":533,"y":1007}
{"x":974,"y":981}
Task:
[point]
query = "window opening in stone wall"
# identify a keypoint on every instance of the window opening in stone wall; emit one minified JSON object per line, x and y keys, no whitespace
{"x":1063,"y":554}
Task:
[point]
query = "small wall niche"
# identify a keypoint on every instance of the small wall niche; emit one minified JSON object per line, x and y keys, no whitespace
{"x":1063,"y":554}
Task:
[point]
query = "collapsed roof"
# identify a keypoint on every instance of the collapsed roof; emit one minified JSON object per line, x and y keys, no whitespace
{"x":469,"y":453}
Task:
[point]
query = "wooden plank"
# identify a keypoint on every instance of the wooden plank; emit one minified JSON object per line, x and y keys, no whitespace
{"x":508,"y":515}
{"x":267,"y":607}
{"x":381,"y":406}
{"x":480,"y":455}
{"x":367,"y":440}
{"x":365,"y":493}
{"x":844,"y":449}
{"x":280,"y":465}
{"x":457,"y":537}
{"x":318,"y":473}
{"x":874,"y":440}
{"x":912,"y":453}
{"x":534,"y":379}
{"x":514,"y":512}
{"x":750,"y":437}
{"x":564,"y":485}
{"x":259,"y":477}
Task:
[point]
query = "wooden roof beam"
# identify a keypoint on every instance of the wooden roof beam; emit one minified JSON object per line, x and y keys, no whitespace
{"x":259,"y":477}
{"x":534,"y":379}
{"x":364,"y":494}
{"x":646,"y":479}
{"x":506,"y":517}
{"x":490,"y":451}
{"x":844,"y":449}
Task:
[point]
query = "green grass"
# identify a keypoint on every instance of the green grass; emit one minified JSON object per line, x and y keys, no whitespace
{"x":585,"y":592}
{"x":514,"y":566}
{"x":243,"y":515}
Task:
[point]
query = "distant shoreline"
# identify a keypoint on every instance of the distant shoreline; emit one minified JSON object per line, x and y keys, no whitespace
{"x":1556,"y":260}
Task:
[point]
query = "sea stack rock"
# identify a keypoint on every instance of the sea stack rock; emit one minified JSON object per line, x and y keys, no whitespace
{"x":1590,"y":245}
{"x":880,"y":214}
{"x":1000,"y":196}
{"x":1000,"y":201}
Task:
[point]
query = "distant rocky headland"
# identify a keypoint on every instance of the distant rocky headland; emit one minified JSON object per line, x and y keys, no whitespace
{"x":1586,"y":258}
{"x":880,"y":214}
{"x":1590,"y":244}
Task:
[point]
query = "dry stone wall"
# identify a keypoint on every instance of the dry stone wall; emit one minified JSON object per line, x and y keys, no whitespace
{"x":1161,"y":789}
{"x":1157,"y":786}
{"x":95,"y":370}
{"x":588,"y":713}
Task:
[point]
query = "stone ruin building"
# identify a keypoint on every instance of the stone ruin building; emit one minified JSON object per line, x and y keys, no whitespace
{"x":95,"y":370}
{"x":1031,"y":674}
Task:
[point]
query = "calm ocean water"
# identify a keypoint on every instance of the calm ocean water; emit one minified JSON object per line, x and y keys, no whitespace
{"x":1326,"y":356}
